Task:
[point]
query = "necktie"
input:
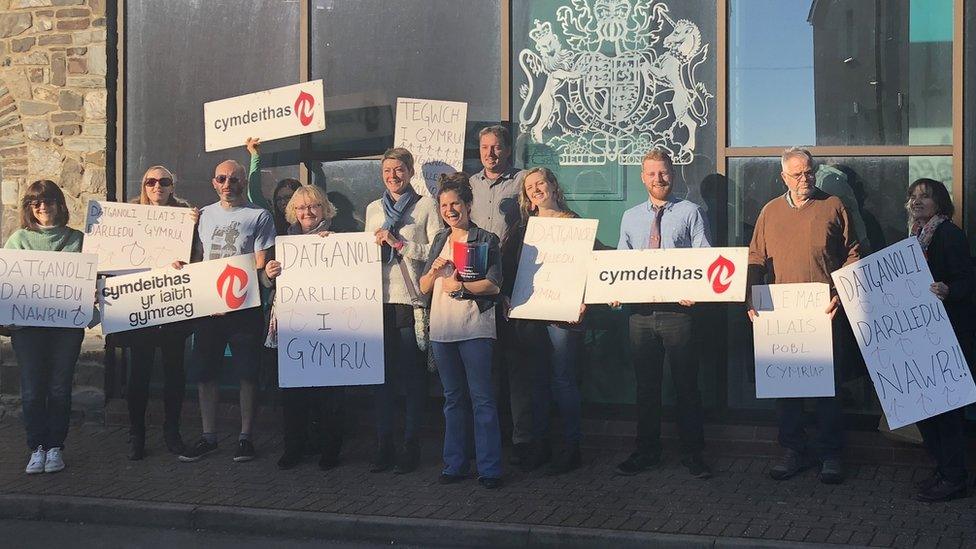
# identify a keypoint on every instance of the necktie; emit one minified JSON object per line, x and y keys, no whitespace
{"x":654,"y":242}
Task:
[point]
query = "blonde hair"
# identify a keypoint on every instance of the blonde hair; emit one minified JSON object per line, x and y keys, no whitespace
{"x":312,"y":194}
{"x":658,"y":155}
{"x":525,"y":205}
{"x":173,"y":200}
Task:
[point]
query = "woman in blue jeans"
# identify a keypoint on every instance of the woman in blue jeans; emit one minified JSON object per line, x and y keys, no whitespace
{"x":46,"y":356}
{"x":462,"y":332}
{"x":551,"y":349}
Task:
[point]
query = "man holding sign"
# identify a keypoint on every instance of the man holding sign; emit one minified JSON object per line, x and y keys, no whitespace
{"x":802,"y":236}
{"x":229,"y":228}
{"x":655,"y":330}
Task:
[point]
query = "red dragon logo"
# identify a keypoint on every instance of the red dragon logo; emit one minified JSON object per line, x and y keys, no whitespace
{"x":720,"y":273}
{"x":231,"y":282}
{"x":304,"y":108}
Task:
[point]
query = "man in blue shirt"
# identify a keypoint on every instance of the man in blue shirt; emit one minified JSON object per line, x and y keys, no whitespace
{"x":663,"y":329}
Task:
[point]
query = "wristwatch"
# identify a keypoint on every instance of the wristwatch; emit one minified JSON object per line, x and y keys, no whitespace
{"x":459,"y":293}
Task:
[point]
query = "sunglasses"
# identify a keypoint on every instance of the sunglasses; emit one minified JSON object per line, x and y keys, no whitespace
{"x":37,"y":203}
{"x":224,"y":179}
{"x":162,"y":182}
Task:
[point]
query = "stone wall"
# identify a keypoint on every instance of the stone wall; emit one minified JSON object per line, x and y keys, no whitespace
{"x":53,"y":95}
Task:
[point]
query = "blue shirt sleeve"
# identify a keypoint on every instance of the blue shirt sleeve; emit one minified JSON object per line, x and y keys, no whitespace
{"x":264,"y":234}
{"x":624,"y":242}
{"x":699,"y":230}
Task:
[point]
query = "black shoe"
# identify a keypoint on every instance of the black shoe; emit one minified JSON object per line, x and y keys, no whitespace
{"x":697,"y":467}
{"x":137,"y":445}
{"x":173,"y":440}
{"x":289,"y":459}
{"x":328,"y":461}
{"x":832,"y":471}
{"x":245,"y":451}
{"x":928,"y":481}
{"x":490,"y":483}
{"x":539,"y":454}
{"x":565,"y":462}
{"x":385,"y":457}
{"x":199,"y":450}
{"x":942,"y":491}
{"x":409,"y":458}
{"x":520,"y":453}
{"x":636,"y":463}
{"x":450,"y":479}
{"x":790,"y":464}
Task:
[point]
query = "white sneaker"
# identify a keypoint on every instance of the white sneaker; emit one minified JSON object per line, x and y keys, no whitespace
{"x":36,"y":463}
{"x":54,"y":461}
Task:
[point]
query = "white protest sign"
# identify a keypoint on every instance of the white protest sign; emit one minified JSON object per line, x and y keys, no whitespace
{"x":168,"y":295}
{"x":907,"y":342}
{"x":433,"y":131}
{"x":551,"y":273}
{"x":49,"y":289}
{"x":132,"y":237}
{"x":329,"y":308}
{"x":667,"y":275}
{"x":270,"y":114}
{"x":793,"y":345}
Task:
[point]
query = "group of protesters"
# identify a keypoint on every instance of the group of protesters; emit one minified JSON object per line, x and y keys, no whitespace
{"x":800,"y":236}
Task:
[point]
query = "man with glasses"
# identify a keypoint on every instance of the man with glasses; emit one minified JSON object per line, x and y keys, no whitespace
{"x":803,"y":236}
{"x":227,"y":228}
{"x":664,"y":329}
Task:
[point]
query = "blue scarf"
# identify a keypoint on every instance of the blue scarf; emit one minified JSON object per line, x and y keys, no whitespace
{"x":393,"y":212}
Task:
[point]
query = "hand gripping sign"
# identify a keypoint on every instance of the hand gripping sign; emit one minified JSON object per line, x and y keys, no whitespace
{"x":910,"y":349}
{"x":668,"y":275}
{"x":270,"y":114}
{"x":168,"y":295}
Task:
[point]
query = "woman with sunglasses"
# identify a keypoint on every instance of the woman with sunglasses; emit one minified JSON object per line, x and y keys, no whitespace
{"x":158,"y":189}
{"x":46,"y":356}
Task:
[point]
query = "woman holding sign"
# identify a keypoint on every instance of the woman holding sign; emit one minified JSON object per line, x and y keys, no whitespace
{"x":46,"y":356}
{"x":947,"y":252}
{"x":551,"y":349}
{"x":463,"y":276}
{"x":308,"y":212}
{"x":404,"y":223}
{"x":158,"y":189}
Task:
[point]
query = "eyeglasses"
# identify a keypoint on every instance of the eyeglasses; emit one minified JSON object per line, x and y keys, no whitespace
{"x":162,"y":182}
{"x":224,"y":179}
{"x":308,"y":208}
{"x":37,"y":203}
{"x":803,"y":176}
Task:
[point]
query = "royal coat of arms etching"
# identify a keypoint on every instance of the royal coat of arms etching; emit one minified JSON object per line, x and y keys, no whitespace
{"x":608,"y":87}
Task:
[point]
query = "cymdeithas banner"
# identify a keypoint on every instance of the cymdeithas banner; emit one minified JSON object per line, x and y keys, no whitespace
{"x":433,"y":131}
{"x":908,"y":344}
{"x":270,"y":114}
{"x":162,"y":296}
{"x":793,"y":343}
{"x":551,"y":273}
{"x":668,"y":275}
{"x":49,"y":289}
{"x":130,"y":238}
{"x":329,"y":310}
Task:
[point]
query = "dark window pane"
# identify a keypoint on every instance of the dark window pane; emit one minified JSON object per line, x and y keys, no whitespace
{"x":840,"y":72}
{"x":369,"y":52}
{"x":873,"y":189}
{"x":183,"y":53}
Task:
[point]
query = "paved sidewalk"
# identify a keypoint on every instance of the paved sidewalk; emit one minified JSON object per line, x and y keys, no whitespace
{"x":741,"y":505}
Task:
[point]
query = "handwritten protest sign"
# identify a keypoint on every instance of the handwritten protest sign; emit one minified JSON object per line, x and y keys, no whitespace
{"x":908,"y":344}
{"x":270,"y":114}
{"x":551,"y":272}
{"x":49,"y":289}
{"x":668,"y":275}
{"x":132,"y":237}
{"x":433,"y":131}
{"x":329,"y":307}
{"x":793,"y":345}
{"x":162,"y":296}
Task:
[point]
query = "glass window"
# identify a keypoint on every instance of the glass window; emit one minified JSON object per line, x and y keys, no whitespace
{"x":167,"y":81}
{"x":840,"y":72}
{"x":369,"y":52}
{"x":873,"y":189}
